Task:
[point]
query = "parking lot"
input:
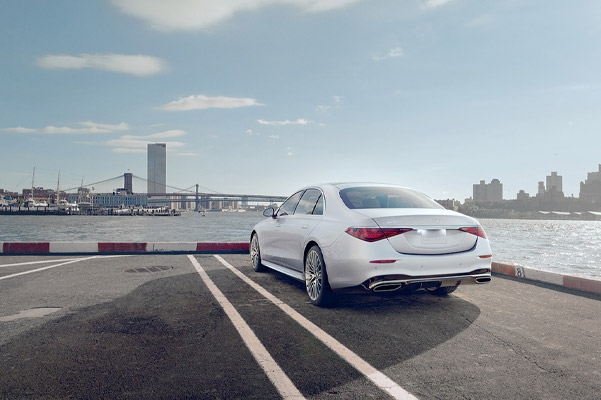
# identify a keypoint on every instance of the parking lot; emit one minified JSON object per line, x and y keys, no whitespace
{"x":206,"y":326}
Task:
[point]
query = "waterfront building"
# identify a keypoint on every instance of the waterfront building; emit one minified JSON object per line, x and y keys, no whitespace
{"x":541,"y":189}
{"x":590,"y":190}
{"x":522,"y":195}
{"x":492,"y":191}
{"x":554,"y":182}
{"x":109,"y":200}
{"x":157,"y":168}
{"x":128,"y":182}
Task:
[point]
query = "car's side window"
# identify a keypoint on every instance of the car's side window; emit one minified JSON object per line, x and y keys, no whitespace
{"x":289,"y":205}
{"x":307,"y":202}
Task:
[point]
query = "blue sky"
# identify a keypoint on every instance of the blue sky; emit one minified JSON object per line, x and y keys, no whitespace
{"x":266,"y":96}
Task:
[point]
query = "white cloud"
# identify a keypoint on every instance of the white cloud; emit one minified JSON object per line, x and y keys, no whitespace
{"x":139,"y":65}
{"x":159,"y":135}
{"x":195,"y":15}
{"x":323,"y":108}
{"x":138,"y":142}
{"x":90,"y":128}
{"x":338,"y":99}
{"x":431,"y":4}
{"x":300,"y":121}
{"x":392,"y":53}
{"x":202,"y":102}
{"x":276,"y":137}
{"x":124,"y":150}
{"x":249,"y":132}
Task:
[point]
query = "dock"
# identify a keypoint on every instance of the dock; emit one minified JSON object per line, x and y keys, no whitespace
{"x":194,"y":320}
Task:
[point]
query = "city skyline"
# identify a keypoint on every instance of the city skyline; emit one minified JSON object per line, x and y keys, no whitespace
{"x":430,"y":94}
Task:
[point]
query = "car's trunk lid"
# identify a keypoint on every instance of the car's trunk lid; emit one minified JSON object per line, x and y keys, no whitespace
{"x":434,"y":231}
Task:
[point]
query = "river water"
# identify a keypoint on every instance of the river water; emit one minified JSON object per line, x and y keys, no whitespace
{"x":571,"y":247}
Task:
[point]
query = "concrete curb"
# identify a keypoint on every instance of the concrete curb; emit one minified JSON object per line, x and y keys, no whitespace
{"x":567,"y":281}
{"x":66,"y":248}
{"x":44,"y":248}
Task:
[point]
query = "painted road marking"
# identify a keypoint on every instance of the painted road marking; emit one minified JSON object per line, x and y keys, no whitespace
{"x":273,"y":371}
{"x":35,"y":262}
{"x":71,"y":261}
{"x":378,"y":378}
{"x":45,"y":268}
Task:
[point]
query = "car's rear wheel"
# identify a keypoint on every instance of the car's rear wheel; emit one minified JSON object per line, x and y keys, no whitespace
{"x":442,"y":291}
{"x":316,"y":278}
{"x":255,"y":254}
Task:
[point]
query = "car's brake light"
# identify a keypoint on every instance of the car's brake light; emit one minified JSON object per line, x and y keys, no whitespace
{"x":375,"y":234}
{"x":475,"y":230}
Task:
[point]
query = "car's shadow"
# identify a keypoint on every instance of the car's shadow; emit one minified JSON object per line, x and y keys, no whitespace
{"x":387,"y":327}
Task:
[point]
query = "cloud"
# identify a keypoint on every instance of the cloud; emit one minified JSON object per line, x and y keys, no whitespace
{"x":392,"y":53}
{"x":158,"y":135}
{"x":323,"y":108}
{"x":139,"y":65}
{"x":124,"y":150}
{"x":195,"y":15}
{"x":276,"y":137}
{"x":89,"y":128}
{"x":432,"y":4}
{"x":338,"y":99}
{"x":300,"y":121}
{"x":202,"y":102}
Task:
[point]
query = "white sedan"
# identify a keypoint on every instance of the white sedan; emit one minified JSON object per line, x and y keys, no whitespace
{"x":379,"y":237}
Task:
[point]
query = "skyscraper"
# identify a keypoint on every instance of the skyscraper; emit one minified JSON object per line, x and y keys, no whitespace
{"x":157,"y":168}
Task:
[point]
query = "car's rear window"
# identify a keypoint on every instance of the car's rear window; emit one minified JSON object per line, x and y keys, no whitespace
{"x":385,"y":197}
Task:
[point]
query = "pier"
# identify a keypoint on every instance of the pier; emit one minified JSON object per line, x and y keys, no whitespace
{"x":143,"y":321}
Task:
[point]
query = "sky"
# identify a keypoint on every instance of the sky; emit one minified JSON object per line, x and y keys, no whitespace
{"x":268,"y":96}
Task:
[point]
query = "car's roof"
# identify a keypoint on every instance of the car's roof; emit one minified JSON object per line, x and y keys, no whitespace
{"x":344,"y":185}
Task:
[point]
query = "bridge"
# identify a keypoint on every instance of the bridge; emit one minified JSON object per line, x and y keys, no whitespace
{"x":191,"y":194}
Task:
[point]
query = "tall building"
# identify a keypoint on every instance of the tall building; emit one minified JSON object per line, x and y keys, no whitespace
{"x":492,"y":191}
{"x":554,"y":183}
{"x":590,"y":190}
{"x":128,"y":182}
{"x":157,"y":168}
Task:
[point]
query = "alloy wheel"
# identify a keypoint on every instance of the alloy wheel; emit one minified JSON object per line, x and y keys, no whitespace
{"x":314,"y":275}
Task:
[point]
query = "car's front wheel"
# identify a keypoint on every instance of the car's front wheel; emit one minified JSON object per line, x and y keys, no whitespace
{"x":255,"y":254}
{"x":316,"y":278}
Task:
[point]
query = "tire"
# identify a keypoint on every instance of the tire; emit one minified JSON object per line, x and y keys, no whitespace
{"x":316,"y":279}
{"x":255,"y":254}
{"x":443,"y":291}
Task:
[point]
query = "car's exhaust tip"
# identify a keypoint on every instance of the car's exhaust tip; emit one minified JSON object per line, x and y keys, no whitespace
{"x":387,"y":287}
{"x":484,"y":279}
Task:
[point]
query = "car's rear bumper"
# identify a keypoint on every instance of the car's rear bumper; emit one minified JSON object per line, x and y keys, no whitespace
{"x":350,"y":262}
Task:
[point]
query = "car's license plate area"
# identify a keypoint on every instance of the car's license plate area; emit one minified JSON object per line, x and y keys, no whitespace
{"x":433,"y":236}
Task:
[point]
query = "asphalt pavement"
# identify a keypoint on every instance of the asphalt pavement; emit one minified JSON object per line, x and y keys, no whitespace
{"x":150,"y":326}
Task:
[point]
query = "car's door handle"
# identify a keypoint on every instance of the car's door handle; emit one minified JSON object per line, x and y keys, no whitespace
{"x":305,"y":226}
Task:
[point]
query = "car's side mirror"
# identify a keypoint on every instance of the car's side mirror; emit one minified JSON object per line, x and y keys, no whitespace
{"x":269,"y":212}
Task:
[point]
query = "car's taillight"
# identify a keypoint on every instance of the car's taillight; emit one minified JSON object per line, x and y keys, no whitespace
{"x":475,"y":230}
{"x":375,"y":234}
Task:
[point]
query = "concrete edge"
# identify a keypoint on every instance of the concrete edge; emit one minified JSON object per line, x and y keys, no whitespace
{"x":530,"y":274}
{"x":86,"y":248}
{"x":66,"y":248}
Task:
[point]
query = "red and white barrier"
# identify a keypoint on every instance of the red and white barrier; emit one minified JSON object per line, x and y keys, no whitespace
{"x":32,"y":248}
{"x":37,"y":248}
{"x":568,"y":281}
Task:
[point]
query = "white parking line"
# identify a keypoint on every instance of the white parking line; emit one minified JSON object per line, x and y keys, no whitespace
{"x":70,"y":261}
{"x":35,"y":262}
{"x":273,"y":371}
{"x":45,"y":268}
{"x":378,"y":378}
